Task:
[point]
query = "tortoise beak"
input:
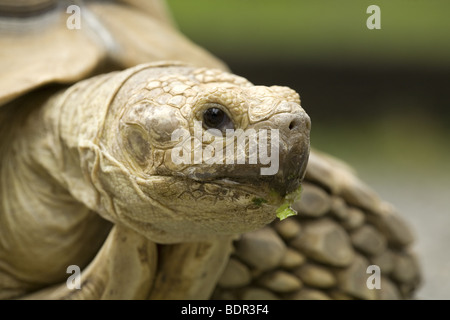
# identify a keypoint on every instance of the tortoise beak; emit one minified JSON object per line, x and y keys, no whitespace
{"x":287,"y":166}
{"x":294,"y":130}
{"x":292,"y":170}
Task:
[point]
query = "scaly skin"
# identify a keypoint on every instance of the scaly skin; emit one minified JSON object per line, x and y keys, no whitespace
{"x":99,"y":153}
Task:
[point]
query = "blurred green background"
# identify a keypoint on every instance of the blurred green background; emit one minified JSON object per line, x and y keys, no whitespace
{"x":378,"y":99}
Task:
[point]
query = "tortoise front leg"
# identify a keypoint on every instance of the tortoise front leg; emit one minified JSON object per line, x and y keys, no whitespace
{"x":190,"y":270}
{"x":124,"y":268}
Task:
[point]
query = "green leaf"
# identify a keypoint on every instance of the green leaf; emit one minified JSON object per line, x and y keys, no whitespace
{"x":285,"y":211}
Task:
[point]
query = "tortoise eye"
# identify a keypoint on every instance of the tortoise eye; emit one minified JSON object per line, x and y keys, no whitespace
{"x":216,"y":118}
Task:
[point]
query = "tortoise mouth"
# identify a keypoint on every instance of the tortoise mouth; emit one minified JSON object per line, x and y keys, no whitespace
{"x":179,"y":191}
{"x":245,"y":185}
{"x":259,"y":188}
{"x":284,"y":182}
{"x":183,"y":209}
{"x":289,"y":172}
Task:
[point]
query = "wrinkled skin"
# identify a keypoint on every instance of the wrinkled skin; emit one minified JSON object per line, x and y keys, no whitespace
{"x":106,"y":144}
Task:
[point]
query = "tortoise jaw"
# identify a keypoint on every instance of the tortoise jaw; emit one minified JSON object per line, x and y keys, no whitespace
{"x":286,"y":180}
{"x":260,"y":189}
{"x":291,"y":173}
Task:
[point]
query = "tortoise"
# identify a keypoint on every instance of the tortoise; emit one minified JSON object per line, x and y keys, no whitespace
{"x":89,"y":178}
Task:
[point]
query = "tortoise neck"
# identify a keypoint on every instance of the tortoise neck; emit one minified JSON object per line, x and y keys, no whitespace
{"x":68,"y":145}
{"x":43,"y":228}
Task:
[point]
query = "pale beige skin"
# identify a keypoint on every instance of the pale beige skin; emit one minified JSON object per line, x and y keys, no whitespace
{"x":102,"y":149}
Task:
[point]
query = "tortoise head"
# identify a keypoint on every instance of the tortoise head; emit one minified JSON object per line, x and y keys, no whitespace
{"x":206,"y":151}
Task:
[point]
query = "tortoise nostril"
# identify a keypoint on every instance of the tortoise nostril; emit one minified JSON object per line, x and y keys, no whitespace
{"x":294,"y":123}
